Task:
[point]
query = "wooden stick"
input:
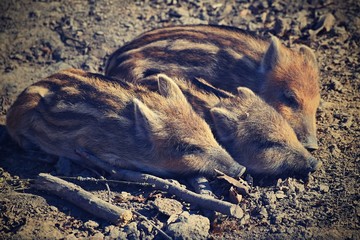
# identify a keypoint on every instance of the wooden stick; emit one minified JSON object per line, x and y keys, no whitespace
{"x":83,"y":199}
{"x":206,"y":202}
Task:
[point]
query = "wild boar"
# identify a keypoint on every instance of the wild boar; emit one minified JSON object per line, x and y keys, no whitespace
{"x":253,"y":132}
{"x":123,"y":124}
{"x":227,"y":58}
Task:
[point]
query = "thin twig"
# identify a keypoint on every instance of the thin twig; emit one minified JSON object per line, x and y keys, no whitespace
{"x":165,"y":185}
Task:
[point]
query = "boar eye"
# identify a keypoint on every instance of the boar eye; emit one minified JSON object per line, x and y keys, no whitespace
{"x":290,"y":99}
{"x":268,"y":144}
{"x":188,"y":149}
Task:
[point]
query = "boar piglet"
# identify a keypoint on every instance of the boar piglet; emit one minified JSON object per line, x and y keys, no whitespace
{"x":123,"y":124}
{"x":253,"y":132}
{"x":227,"y":57}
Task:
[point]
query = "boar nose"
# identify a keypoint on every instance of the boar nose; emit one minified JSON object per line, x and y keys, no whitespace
{"x":311,"y":144}
{"x":235,"y":170}
{"x":314,"y":164}
{"x":239,"y":171}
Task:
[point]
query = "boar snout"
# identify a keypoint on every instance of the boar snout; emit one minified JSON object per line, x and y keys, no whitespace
{"x":308,"y":134}
{"x":314,"y":164}
{"x":311,"y":143}
{"x":237,"y":170}
{"x":226,"y":164}
{"x":311,"y":165}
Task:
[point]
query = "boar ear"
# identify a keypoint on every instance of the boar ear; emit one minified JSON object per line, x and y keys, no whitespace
{"x":225,"y":123}
{"x":146,"y":120}
{"x":308,"y":53}
{"x":244,"y":91}
{"x":169,"y":89}
{"x":272,"y":56}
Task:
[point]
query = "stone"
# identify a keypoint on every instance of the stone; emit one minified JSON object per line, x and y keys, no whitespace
{"x":146,"y":227}
{"x":269,"y":198}
{"x":263,"y":213}
{"x":132,"y":231}
{"x":114,"y":232}
{"x":326,"y":22}
{"x":58,"y":54}
{"x":336,"y":85}
{"x":178,"y":12}
{"x":97,"y":236}
{"x":324,"y":188}
{"x":168,"y":206}
{"x":347,"y":121}
{"x":245,"y":219}
{"x":276,"y":218}
{"x":91,"y":224}
{"x":334,"y":150}
{"x":53,"y":208}
{"x":189,"y":227}
{"x":280,"y":194}
{"x":281,"y":26}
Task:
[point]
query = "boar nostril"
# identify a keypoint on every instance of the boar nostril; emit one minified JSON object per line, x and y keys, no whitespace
{"x":311,"y":145}
{"x":314,"y":164}
{"x":311,"y":148}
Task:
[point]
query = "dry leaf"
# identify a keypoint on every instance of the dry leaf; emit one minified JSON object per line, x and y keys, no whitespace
{"x":234,"y":196}
{"x":240,"y":184}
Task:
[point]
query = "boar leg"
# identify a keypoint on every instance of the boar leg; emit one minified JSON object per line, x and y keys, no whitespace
{"x":202,"y":186}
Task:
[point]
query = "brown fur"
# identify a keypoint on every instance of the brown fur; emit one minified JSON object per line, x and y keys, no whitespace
{"x":251,"y":131}
{"x":121,"y":123}
{"x":232,"y":59}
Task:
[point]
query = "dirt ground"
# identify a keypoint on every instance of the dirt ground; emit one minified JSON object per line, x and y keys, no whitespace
{"x":40,"y":37}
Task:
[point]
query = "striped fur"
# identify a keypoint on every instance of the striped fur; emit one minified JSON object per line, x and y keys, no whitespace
{"x":254,"y":134}
{"x":121,"y":123}
{"x":227,"y":58}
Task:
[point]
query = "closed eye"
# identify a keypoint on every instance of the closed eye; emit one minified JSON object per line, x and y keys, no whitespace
{"x":188,"y":149}
{"x":267,"y":144}
{"x":290,"y":99}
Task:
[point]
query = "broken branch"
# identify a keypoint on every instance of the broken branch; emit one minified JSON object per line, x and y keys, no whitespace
{"x":83,"y":199}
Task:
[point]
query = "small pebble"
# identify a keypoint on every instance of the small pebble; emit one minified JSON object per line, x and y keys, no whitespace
{"x":53,"y":208}
{"x":280,"y":195}
{"x":324,"y":188}
{"x":336,"y":85}
{"x":91,"y":224}
{"x":168,"y":206}
{"x":97,"y":236}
